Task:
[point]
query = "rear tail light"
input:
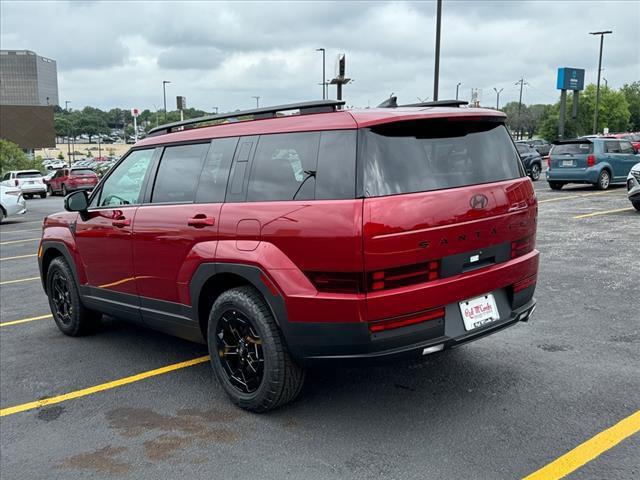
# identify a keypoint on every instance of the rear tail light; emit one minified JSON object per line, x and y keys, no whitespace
{"x":406,"y":320}
{"x":526,"y":283}
{"x":591,"y":160}
{"x":337,"y":282}
{"x":403,"y":276}
{"x":522,"y":246}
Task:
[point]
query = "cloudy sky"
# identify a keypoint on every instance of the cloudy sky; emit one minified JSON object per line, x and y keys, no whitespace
{"x":115,"y":53}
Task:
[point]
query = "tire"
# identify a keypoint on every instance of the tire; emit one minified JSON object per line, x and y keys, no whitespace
{"x":64,"y":190}
{"x":43,"y":195}
{"x":28,"y":196}
{"x":604,"y":180}
{"x":1,"y":215}
{"x":636,"y":205}
{"x":50,"y":191}
{"x":535,"y":172}
{"x":556,"y":185}
{"x":254,"y":340}
{"x":71,"y":317}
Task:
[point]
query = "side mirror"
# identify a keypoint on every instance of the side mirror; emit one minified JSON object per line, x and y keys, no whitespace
{"x":76,"y":202}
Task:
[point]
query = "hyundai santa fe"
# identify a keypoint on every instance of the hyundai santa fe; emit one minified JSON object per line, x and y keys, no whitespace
{"x":303,"y":234}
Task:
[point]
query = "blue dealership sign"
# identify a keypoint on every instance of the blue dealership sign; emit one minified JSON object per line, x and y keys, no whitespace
{"x":570,"y":79}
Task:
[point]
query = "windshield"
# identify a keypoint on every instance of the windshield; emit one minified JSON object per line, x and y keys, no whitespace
{"x":572,"y":148}
{"x":28,"y":175}
{"x":428,"y":155}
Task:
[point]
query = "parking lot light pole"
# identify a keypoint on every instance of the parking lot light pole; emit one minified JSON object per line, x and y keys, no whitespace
{"x":457,"y":88}
{"x":595,"y":114}
{"x":257,"y":97}
{"x":498,"y":97}
{"x":216,"y":110}
{"x":164,"y":95}
{"x":324,"y":68}
{"x":66,"y":108}
{"x":522,"y":83}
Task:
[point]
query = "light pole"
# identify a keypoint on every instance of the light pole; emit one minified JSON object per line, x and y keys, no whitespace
{"x":522,"y":83}
{"x":436,"y":70}
{"x":457,"y":87}
{"x":595,"y":114}
{"x":257,"y":97}
{"x":66,"y":108}
{"x":498,"y":97}
{"x":324,"y":78}
{"x":216,"y":109}
{"x":164,"y":95}
{"x":606,"y":84}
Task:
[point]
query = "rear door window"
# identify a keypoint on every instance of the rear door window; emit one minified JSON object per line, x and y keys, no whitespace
{"x":426,"y":155}
{"x":215,"y":174}
{"x":284,"y":167}
{"x":178,"y":174}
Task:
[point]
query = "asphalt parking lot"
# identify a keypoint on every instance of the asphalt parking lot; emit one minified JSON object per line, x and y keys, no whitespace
{"x":500,"y":408}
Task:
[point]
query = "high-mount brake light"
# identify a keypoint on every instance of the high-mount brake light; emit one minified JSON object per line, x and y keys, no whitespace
{"x":406,"y":320}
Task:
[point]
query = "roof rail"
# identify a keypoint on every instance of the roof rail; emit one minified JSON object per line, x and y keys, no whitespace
{"x":316,"y":106}
{"x":438,"y":103}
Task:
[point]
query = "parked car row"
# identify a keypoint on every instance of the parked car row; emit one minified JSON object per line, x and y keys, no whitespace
{"x":541,"y":146}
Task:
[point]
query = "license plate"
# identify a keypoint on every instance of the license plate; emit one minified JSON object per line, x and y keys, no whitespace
{"x":479,"y":311}
{"x":567,"y":163}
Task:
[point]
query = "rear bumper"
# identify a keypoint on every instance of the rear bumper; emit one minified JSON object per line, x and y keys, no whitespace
{"x":28,"y":189}
{"x":322,"y":342}
{"x":573,"y":175}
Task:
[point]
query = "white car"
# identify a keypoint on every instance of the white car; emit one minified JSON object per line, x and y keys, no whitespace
{"x":55,"y":164}
{"x":29,"y":181}
{"x":11,"y":202}
{"x":633,"y":186}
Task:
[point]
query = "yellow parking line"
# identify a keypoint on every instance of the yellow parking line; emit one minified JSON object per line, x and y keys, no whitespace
{"x":20,"y":280}
{"x":588,"y":450}
{"x":20,"y":241}
{"x":18,"y":256}
{"x":103,"y":386}
{"x":567,"y":197}
{"x":604,"y":212}
{"x":24,"y":320}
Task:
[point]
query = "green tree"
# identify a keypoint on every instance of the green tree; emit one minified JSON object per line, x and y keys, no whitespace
{"x":631,"y":93}
{"x":13,"y":158}
{"x":92,"y":124}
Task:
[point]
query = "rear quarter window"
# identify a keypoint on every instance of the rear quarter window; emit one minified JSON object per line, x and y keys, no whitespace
{"x":427,"y":155}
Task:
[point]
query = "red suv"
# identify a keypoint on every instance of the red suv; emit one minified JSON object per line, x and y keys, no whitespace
{"x":71,"y":179}
{"x":286,"y":240}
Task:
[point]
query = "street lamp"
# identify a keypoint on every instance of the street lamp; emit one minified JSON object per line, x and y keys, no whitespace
{"x":595,"y":114}
{"x":457,"y":87}
{"x":216,"y":109}
{"x":498,"y":97}
{"x":66,"y":105}
{"x":164,"y":95}
{"x":606,"y":83}
{"x":436,"y":70}
{"x":66,"y":108}
{"x":324,"y":66}
{"x":257,"y":97}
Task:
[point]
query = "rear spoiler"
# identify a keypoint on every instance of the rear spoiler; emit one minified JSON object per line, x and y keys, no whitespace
{"x":574,"y":141}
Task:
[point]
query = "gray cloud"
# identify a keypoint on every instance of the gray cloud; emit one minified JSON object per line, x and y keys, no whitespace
{"x":222,"y":53}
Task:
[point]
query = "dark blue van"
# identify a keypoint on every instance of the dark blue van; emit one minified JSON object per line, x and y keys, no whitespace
{"x":598,"y":161}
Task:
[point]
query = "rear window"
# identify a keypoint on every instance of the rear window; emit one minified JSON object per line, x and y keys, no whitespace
{"x":82,"y":171}
{"x":522,"y":148}
{"x":429,"y":155}
{"x":572,"y":148}
{"x":28,"y":175}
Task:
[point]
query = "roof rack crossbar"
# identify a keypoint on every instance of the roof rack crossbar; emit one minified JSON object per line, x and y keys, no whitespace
{"x":438,"y":103}
{"x":316,"y":106}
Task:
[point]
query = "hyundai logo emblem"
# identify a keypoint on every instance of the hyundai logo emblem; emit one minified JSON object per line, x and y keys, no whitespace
{"x":479,"y":201}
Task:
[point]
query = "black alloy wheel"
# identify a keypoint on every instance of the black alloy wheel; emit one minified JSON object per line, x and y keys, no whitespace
{"x":62,"y":307}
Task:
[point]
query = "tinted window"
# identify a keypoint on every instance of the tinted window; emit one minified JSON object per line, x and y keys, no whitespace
{"x":572,"y":148}
{"x":522,"y":148}
{"x":82,"y":171}
{"x":28,"y":175}
{"x":612,"y":146}
{"x":178,"y":174}
{"x":626,"y":147}
{"x":124,"y":185}
{"x":336,"y":176}
{"x":284,"y":166}
{"x":430,"y":155}
{"x":213,"y":180}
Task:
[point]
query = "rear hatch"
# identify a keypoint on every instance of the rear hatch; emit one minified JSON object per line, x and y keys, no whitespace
{"x":28,"y":178}
{"x":571,"y":154}
{"x":443,"y":201}
{"x":83,"y":176}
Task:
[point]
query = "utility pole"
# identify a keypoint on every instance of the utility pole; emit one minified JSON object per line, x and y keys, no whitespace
{"x":257,"y":97}
{"x":498,"y":97}
{"x":522,"y":83}
{"x":436,"y":70}
{"x":66,"y":108}
{"x":164,"y":96}
{"x":457,"y":87}
{"x":595,"y":114}
{"x":324,"y":68}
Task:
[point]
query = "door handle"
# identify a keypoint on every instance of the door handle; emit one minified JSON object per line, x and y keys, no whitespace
{"x":121,"y":222}
{"x":201,"y":220}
